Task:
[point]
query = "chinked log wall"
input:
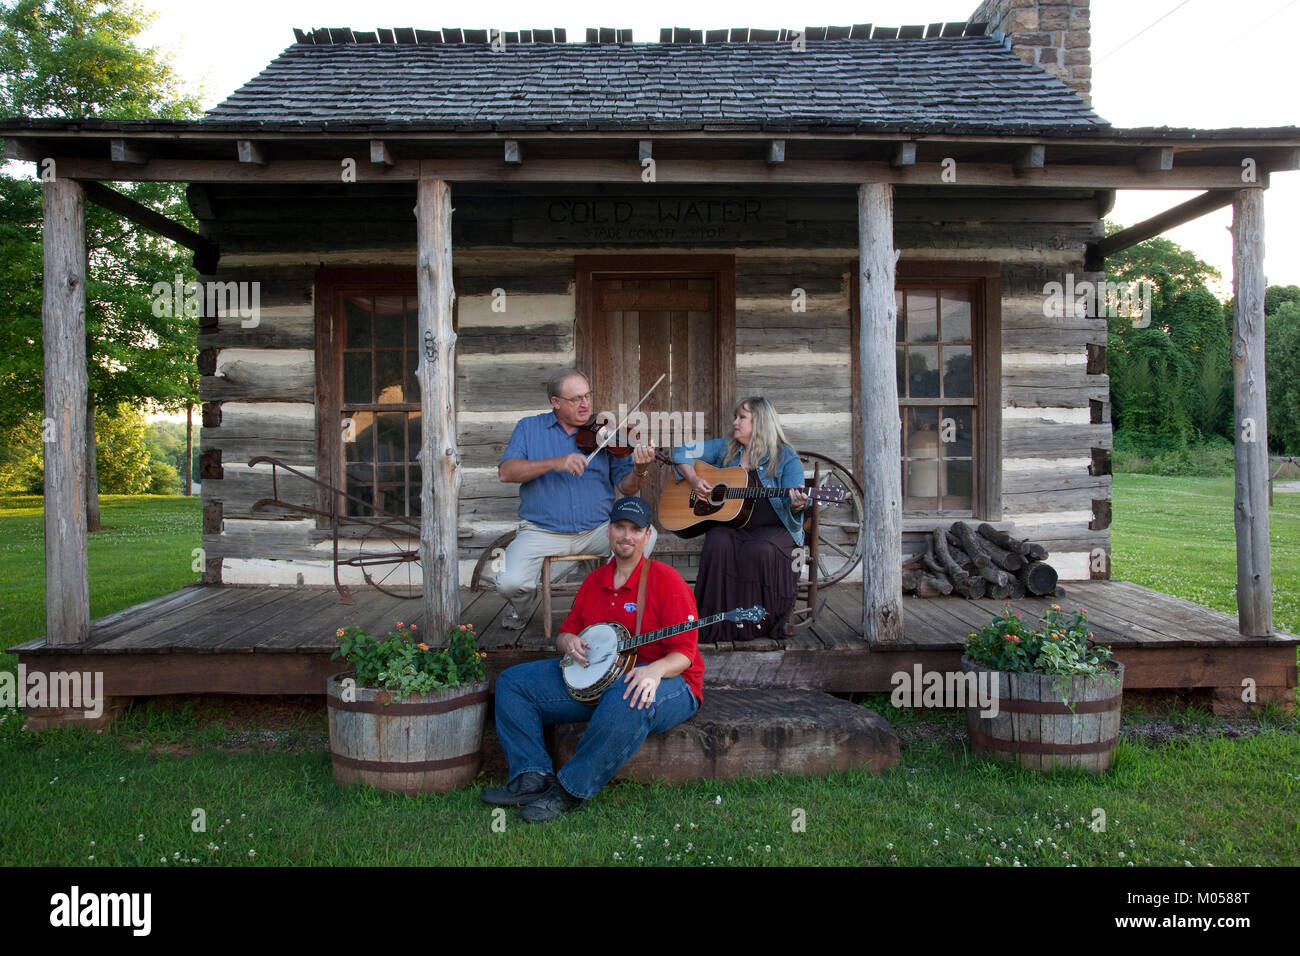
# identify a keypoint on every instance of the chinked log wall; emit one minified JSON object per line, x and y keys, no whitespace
{"x":258,"y":384}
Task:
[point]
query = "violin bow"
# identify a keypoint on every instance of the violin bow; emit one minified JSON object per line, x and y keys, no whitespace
{"x":619,"y":427}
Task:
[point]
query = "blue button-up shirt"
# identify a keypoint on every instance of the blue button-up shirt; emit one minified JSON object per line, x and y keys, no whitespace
{"x":791,"y":475}
{"x":558,"y":501}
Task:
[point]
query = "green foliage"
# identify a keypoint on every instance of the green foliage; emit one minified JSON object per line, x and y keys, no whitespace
{"x":1282,"y":378}
{"x":1167,"y":264}
{"x":133,"y":457}
{"x":401,"y":664}
{"x":122,"y":459}
{"x":163,"y":479}
{"x":21,"y":462}
{"x":166,"y":442}
{"x":1275,"y":296}
{"x":1057,"y":646}
{"x":1211,"y":458}
{"x":78,"y":58}
{"x":1171,"y":382}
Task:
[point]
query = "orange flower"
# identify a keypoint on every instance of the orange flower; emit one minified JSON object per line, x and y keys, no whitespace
{"x":339,"y":632}
{"x":399,"y":623}
{"x":414,"y":628}
{"x":1056,"y":607}
{"x":423,"y":647}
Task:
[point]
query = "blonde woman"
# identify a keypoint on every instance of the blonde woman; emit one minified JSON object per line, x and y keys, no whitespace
{"x":740,"y":567}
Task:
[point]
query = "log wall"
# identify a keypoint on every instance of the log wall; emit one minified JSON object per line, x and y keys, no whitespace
{"x":258,"y":383}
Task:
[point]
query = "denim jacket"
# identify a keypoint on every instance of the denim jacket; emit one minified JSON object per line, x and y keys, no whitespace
{"x":790,"y":476}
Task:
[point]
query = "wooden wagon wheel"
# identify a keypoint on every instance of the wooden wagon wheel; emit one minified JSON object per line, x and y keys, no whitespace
{"x":485,"y":568}
{"x":838,"y":533}
{"x":484,"y":577}
{"x":388,"y":555}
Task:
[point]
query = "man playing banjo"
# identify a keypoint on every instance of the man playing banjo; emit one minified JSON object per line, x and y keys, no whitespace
{"x":661,"y":691}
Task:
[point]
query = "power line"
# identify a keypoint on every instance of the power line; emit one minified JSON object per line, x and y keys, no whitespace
{"x":1142,"y":31}
{"x":1258,"y":25}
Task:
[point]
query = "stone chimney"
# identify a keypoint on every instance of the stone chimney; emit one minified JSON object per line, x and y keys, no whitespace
{"x":1050,"y":34}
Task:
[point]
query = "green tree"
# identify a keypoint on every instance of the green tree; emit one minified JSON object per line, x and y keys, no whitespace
{"x":1275,"y":296}
{"x":79,"y":58}
{"x":124,"y":456}
{"x":1170,"y":382}
{"x":1282,"y":378}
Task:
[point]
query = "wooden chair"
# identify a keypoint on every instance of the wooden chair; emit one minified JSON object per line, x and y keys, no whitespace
{"x":810,"y":531}
{"x":546,"y":582}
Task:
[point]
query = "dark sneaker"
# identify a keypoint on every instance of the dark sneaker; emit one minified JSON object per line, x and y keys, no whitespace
{"x":553,"y":803}
{"x":524,"y":789}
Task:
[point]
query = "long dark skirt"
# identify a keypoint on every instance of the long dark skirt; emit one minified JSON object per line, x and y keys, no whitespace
{"x":747,"y":566}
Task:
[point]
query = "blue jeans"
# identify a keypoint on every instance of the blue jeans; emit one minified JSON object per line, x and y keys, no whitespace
{"x":533,"y":694}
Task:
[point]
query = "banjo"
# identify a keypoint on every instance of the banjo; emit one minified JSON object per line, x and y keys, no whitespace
{"x":610,"y":655}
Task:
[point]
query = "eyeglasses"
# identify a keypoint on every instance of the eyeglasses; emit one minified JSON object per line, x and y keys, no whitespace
{"x":576,"y":399}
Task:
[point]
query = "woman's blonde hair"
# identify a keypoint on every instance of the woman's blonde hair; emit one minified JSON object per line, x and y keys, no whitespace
{"x":768,"y":436}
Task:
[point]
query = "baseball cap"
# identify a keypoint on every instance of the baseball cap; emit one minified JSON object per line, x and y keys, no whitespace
{"x":631,"y":509}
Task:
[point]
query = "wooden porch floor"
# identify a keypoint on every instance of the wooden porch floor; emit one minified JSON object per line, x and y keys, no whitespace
{"x":267,"y":640}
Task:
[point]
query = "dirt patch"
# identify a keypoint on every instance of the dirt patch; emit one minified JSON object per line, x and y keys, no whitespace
{"x":251,"y":723}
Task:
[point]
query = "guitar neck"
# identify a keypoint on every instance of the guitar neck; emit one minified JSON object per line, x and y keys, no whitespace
{"x":652,"y":636}
{"x":762,"y":492}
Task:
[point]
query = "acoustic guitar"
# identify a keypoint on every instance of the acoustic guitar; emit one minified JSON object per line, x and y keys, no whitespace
{"x":612,"y":652}
{"x":687,"y":513}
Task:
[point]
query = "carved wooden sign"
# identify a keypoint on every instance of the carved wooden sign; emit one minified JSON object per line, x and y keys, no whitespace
{"x":638,"y":220}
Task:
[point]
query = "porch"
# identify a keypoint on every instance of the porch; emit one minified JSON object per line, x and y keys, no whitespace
{"x":268,"y":640}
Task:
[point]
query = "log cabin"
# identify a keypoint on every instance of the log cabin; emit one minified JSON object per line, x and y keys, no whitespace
{"x":869,"y":226}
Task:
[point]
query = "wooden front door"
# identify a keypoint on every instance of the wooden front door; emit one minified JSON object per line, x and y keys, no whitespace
{"x":640,"y":317}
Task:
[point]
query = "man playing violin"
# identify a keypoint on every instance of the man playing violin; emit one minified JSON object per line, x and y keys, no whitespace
{"x":564,"y":501}
{"x":662,"y":690}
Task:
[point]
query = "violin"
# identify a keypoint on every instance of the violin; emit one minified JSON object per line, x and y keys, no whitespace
{"x":590,"y":435}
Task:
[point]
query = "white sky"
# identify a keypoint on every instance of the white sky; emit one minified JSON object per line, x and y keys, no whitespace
{"x":1209,"y":64}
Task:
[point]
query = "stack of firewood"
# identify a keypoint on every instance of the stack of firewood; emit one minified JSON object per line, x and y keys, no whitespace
{"x":978,"y":563}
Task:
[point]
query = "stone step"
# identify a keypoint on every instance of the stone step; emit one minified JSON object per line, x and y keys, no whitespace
{"x":749,"y":733}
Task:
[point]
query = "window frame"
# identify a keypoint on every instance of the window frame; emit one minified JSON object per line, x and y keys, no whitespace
{"x":986,"y":336}
{"x":332,"y":285}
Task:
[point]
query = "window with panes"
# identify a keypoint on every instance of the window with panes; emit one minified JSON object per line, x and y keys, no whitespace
{"x":936,"y":354}
{"x":380,"y":404}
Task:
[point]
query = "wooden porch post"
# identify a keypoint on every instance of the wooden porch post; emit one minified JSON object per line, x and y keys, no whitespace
{"x":439,"y":459}
{"x":1250,"y":511}
{"x":882,"y":572}
{"x":63,"y":328}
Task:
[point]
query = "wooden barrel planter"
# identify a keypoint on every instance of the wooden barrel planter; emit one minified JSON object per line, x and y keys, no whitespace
{"x":425,"y":743}
{"x":1035,"y":729}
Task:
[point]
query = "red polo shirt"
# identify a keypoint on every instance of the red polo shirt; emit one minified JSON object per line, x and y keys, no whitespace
{"x":668,"y":601}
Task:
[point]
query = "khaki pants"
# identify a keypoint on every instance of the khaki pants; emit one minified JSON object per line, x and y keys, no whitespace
{"x":521,"y":567}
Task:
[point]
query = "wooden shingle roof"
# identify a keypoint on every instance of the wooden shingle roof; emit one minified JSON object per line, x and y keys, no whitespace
{"x":941,"y":82}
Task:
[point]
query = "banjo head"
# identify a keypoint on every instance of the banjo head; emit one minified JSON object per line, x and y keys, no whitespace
{"x":601,"y":656}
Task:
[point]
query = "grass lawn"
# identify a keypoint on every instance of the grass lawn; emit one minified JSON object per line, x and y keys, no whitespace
{"x":1186,"y":787}
{"x":1176,"y":535}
